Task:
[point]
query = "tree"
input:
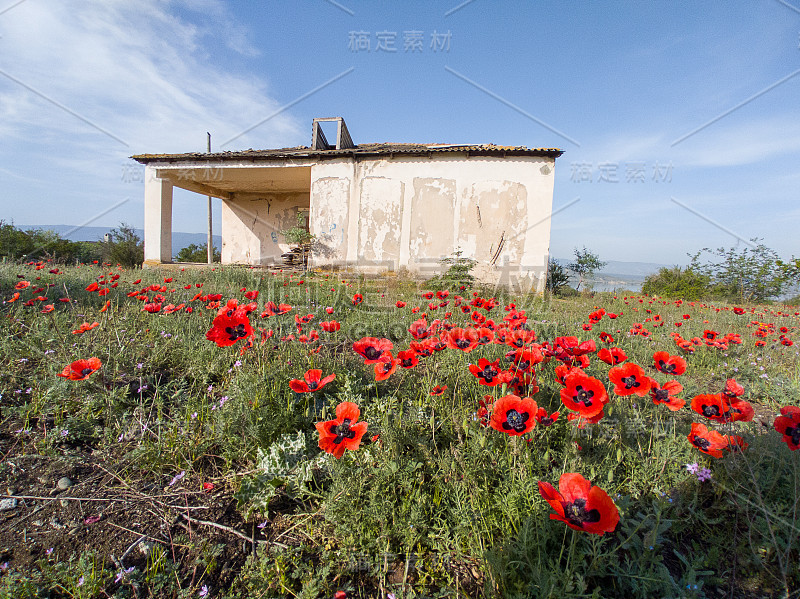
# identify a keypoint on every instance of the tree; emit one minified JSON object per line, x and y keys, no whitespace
{"x":125,"y":247}
{"x":585,"y":264}
{"x":749,"y":274}
{"x":197,"y":253}
{"x":556,"y":277}
{"x":678,"y":283}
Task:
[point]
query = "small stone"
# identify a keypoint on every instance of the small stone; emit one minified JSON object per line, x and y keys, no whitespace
{"x":64,"y":503}
{"x":64,"y":483}
{"x":9,"y":503}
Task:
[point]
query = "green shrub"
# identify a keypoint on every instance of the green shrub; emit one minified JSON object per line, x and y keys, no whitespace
{"x":679,"y":283}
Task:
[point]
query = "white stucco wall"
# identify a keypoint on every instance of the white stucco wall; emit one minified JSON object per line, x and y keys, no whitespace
{"x":405,"y":212}
{"x":251,"y":226}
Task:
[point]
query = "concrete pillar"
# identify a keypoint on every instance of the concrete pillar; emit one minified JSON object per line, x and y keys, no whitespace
{"x":157,"y":219}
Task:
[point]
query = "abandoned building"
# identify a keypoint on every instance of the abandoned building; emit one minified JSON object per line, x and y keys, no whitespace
{"x":374,"y":208}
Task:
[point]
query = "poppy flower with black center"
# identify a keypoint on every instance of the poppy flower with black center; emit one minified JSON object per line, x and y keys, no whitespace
{"x":584,"y":394}
{"x":485,"y":336}
{"x":788,"y":425}
{"x":80,"y":370}
{"x":563,"y":371}
{"x":271,"y":309}
{"x":545,"y":419}
{"x":520,"y":338}
{"x":580,"y":504}
{"x":371,"y":348}
{"x":420,"y":329}
{"x":400,"y":304}
{"x":521,"y":383}
{"x":464,"y":339}
{"x":526,"y":359}
{"x":357,"y":299}
{"x":709,"y":335}
{"x":629,"y":379}
{"x":732,"y":389}
{"x":713,"y":406}
{"x":710,"y":442}
{"x":740,"y":411}
{"x":312,"y":382}
{"x":438,"y":390}
{"x":575,"y":347}
{"x":227,"y":330}
{"x":666,"y":394}
{"x":514,"y":415}
{"x":407,"y":358}
{"x":672,"y":365}
{"x":606,"y":338}
{"x":488,"y":373}
{"x":385,"y":366}
{"x":612,"y":356}
{"x":25,"y":284}
{"x":342,"y":433}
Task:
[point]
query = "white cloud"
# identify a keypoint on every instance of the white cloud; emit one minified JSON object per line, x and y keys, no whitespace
{"x":136,"y":70}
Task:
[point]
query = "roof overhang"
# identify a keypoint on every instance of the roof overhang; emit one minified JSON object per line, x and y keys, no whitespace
{"x":225,"y":181}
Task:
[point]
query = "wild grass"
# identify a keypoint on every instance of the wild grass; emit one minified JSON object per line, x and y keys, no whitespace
{"x":433,"y":504}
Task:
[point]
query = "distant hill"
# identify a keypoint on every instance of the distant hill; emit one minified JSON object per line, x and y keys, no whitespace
{"x":179,"y":240}
{"x":620,"y":275}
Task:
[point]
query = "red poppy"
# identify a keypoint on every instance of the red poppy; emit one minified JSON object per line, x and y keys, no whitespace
{"x":407,"y":358}
{"x":514,"y":415}
{"x":14,"y":298}
{"x":464,"y":339}
{"x":606,"y":338}
{"x":400,"y":304}
{"x":788,"y":425}
{"x":543,"y":419}
{"x":526,"y":359}
{"x":584,"y":394}
{"x":357,"y":299}
{"x":371,"y":348}
{"x":419,"y":329}
{"x":672,"y":365}
{"x":335,"y":436}
{"x":438,"y":390}
{"x":612,"y":356}
{"x":229,"y":327}
{"x":252,"y":295}
{"x":93,"y":287}
{"x":488,"y":373}
{"x":713,"y":406}
{"x":272,"y":310}
{"x":574,"y":347}
{"x":520,"y":338}
{"x":485,"y":336}
{"x":629,"y":379}
{"x":385,"y":366}
{"x":312,"y":382}
{"x":80,"y":369}
{"x":563,"y":371}
{"x":710,"y":442}
{"x":50,"y":307}
{"x":581,"y":505}
{"x":85,"y":327}
{"x":741,"y":411}
{"x":732,"y":389}
{"x":666,"y":394}
{"x":735,"y":443}
{"x":25,"y":284}
{"x":330,"y":327}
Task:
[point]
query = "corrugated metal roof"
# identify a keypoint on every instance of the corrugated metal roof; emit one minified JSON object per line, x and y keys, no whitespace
{"x":361,"y":150}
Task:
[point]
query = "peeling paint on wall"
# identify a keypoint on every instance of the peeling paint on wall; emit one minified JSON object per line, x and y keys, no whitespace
{"x":432,"y":209}
{"x":379,"y":221}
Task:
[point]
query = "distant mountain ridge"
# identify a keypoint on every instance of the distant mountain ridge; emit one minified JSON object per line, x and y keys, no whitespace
{"x":617,"y":274}
{"x":74,"y":233}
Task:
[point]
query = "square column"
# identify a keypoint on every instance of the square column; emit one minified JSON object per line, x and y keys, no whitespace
{"x":157,"y":219}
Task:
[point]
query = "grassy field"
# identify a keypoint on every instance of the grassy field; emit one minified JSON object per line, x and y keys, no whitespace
{"x":181,"y":466}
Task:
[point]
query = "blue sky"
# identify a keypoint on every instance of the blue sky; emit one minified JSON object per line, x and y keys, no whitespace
{"x":680,"y":121}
